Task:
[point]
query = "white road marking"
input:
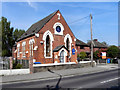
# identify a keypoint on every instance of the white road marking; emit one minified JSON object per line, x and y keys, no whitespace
{"x":78,"y":88}
{"x":109,"y":80}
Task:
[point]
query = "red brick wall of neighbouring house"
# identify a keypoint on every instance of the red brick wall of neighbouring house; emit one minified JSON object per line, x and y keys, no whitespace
{"x":86,"y":49}
{"x":58,"y":40}
{"x":95,"y":49}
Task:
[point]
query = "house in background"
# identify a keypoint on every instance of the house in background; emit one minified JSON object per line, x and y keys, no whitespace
{"x":49,"y":40}
{"x":82,"y":47}
{"x":97,"y":46}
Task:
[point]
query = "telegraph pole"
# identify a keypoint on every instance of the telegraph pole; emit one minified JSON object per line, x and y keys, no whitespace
{"x":91,"y":40}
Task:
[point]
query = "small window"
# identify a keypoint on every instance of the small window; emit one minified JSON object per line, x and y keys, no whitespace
{"x":58,"y":29}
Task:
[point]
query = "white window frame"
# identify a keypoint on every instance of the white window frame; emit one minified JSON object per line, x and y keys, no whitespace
{"x":23,"y":49}
{"x":18,"y":50}
{"x":61,"y":26}
{"x":51,"y":40}
{"x":70,"y":42}
{"x":31,"y":42}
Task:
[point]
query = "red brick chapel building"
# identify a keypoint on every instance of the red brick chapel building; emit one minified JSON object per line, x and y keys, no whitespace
{"x":49,"y":40}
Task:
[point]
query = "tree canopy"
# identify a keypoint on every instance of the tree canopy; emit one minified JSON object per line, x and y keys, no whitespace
{"x":96,"y":54}
{"x":18,"y":33}
{"x":112,"y":51}
{"x":104,"y":43}
{"x":8,"y":36}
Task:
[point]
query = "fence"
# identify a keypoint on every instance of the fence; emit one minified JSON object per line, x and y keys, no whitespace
{"x":24,"y":63}
{"x":4,"y":63}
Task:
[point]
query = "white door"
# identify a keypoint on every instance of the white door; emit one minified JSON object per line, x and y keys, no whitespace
{"x":62,"y":56}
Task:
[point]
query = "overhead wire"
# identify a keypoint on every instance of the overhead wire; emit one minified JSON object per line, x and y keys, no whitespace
{"x":79,"y":19}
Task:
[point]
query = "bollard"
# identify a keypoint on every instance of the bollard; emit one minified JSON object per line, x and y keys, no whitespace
{"x":98,"y":61}
{"x":106,"y":61}
{"x":11,"y":63}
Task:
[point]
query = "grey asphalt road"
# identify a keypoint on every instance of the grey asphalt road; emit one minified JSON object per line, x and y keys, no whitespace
{"x":106,"y":79}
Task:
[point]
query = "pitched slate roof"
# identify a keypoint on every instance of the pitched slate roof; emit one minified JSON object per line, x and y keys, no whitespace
{"x":36,"y":27}
{"x":97,"y":44}
{"x":79,"y":43}
{"x":59,"y":47}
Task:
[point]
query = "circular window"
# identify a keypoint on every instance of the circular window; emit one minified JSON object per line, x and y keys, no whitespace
{"x":58,"y":29}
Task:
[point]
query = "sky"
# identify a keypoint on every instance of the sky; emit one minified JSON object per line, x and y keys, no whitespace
{"x":77,"y":15}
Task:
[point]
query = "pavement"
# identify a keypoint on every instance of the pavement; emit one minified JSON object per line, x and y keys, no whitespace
{"x":65,"y":73}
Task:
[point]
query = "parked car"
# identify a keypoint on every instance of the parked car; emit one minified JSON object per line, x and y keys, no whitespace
{"x":115,"y":60}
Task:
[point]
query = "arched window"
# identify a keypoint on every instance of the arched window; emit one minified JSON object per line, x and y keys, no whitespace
{"x":31,"y":46}
{"x":48,"y":39}
{"x":48,"y":51}
{"x":67,"y":44}
{"x":31,"y":49}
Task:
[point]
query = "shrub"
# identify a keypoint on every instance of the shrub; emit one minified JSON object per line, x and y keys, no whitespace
{"x":18,"y":66}
{"x":83,"y":55}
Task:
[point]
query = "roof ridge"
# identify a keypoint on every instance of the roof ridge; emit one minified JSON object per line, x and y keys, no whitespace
{"x":45,"y":17}
{"x":36,"y":27}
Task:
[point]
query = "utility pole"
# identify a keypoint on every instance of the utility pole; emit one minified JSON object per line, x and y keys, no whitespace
{"x":91,"y":40}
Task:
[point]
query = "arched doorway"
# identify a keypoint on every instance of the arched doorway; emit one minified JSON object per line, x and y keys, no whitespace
{"x":62,"y":56}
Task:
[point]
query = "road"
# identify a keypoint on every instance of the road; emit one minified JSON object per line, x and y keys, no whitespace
{"x":106,"y":79}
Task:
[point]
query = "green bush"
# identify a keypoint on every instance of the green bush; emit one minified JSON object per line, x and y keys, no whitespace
{"x":18,"y":66}
{"x":78,"y":56}
{"x":83,"y":55}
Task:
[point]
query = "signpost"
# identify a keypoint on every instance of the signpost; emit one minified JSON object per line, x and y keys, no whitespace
{"x":73,"y":51}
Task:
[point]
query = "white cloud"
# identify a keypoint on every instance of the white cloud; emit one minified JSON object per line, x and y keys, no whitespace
{"x":32,"y":4}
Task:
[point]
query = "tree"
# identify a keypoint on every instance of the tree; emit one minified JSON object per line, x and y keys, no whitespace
{"x":7,"y":39}
{"x":112,"y":51}
{"x":83,"y":55}
{"x":8,"y":36}
{"x":96,"y":55}
{"x":18,"y":33}
{"x":104,"y":43}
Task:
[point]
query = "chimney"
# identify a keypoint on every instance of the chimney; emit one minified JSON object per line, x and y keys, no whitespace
{"x":95,"y":40}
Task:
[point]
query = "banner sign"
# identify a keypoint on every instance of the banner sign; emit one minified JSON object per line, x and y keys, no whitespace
{"x":103,"y":55}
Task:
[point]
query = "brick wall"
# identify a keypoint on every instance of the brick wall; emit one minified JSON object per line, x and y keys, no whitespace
{"x":86,"y":49}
